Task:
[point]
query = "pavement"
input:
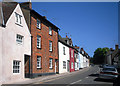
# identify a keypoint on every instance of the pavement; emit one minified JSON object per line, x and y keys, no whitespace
{"x":84,"y":77}
{"x":45,"y":78}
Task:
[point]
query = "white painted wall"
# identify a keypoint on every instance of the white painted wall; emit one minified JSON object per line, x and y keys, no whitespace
{"x":12,"y":50}
{"x":63,"y":57}
{"x":81,"y":61}
{"x":1,"y":55}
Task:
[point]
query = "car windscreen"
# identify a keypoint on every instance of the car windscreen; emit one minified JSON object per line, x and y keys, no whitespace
{"x":108,"y":69}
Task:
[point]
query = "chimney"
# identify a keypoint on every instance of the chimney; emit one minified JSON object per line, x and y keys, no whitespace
{"x":111,"y":49}
{"x":27,"y":4}
{"x":116,"y":47}
{"x":66,"y":36}
{"x":45,"y":17}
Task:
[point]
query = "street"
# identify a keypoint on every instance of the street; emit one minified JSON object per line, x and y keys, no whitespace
{"x":87,"y":76}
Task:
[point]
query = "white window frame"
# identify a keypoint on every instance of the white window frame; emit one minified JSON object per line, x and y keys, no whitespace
{"x":38,"y":24}
{"x":18,"y":18}
{"x":19,"y":39}
{"x":64,"y":64}
{"x":39,"y":62}
{"x":50,"y":45}
{"x":50,"y":63}
{"x":38,"y":41}
{"x":50,"y":31}
{"x":16,"y":67}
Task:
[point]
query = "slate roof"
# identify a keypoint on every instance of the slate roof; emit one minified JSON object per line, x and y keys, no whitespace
{"x":8,"y":8}
{"x":26,"y":6}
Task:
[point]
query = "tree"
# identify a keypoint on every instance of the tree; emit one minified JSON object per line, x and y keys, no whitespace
{"x":99,"y":55}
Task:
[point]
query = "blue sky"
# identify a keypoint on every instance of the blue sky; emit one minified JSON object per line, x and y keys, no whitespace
{"x":90,"y":24}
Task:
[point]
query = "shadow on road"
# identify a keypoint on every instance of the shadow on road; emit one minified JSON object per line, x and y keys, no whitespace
{"x":100,"y":80}
{"x":103,"y":80}
{"x":94,"y":75}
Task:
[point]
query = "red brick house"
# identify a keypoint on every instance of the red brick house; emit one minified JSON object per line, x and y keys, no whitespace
{"x":44,"y":56}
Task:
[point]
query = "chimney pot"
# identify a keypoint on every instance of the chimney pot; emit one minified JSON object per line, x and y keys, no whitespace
{"x":116,"y":46}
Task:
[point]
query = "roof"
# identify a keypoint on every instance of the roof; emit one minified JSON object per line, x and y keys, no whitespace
{"x":60,"y":39}
{"x":116,"y":53}
{"x":7,"y":13}
{"x":26,"y":6}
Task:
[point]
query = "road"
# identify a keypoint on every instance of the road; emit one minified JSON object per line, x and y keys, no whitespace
{"x":86,"y":76}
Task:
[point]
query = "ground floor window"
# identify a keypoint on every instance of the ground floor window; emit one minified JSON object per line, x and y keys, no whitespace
{"x":50,"y":62}
{"x":64,"y":64}
{"x":71,"y":65}
{"x":16,"y":66}
{"x":38,"y":61}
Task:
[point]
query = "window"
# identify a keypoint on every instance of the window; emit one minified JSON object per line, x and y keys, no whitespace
{"x":38,"y":61}
{"x":72,"y":53}
{"x":50,"y":45}
{"x":50,"y":62}
{"x":64,"y":50}
{"x":18,"y":18}
{"x":50,"y":31}
{"x":72,"y":65}
{"x":19,"y":39}
{"x":64,"y":64}
{"x":38,"y":24}
{"x":16,"y":66}
{"x":38,"y":41}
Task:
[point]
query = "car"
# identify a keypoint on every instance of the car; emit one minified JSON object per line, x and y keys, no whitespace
{"x":108,"y":72}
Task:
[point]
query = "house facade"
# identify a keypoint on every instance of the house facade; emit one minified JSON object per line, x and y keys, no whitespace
{"x":16,"y":43}
{"x":44,"y":58}
{"x":64,"y":57}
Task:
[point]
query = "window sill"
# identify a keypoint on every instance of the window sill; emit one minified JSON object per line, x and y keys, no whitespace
{"x":39,"y":48}
{"x":51,"y":51}
{"x":19,"y":24}
{"x":51,"y":68}
{"x":38,"y":28}
{"x":39,"y":68}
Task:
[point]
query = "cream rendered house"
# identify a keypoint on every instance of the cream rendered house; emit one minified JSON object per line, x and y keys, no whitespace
{"x":63,"y":56}
{"x":15,"y":39}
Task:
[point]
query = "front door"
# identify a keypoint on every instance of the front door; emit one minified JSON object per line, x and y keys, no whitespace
{"x":68,"y":67}
{"x":27,"y":66}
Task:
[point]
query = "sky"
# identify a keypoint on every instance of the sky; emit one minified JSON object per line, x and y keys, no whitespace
{"x":91,"y":25}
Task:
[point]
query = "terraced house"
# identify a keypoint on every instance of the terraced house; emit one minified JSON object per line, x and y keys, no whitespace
{"x":15,"y":42}
{"x":44,"y":57}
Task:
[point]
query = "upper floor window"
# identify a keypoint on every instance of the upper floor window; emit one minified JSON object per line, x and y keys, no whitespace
{"x":64,"y":50}
{"x":50,"y":31}
{"x":50,"y":45}
{"x":38,"y":61}
{"x":16,"y":66}
{"x":72,"y":53}
{"x":38,"y":24}
{"x":18,"y":18}
{"x":19,"y":39}
{"x":38,"y":41}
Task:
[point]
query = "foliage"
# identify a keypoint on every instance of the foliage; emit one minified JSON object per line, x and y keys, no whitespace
{"x":99,"y":55}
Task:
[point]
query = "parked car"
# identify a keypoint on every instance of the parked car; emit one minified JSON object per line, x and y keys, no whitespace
{"x":108,"y":72}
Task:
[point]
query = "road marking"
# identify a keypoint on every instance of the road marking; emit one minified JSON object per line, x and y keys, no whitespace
{"x":76,"y":82}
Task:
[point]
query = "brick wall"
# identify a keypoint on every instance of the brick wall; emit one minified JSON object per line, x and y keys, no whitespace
{"x":44,"y":51}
